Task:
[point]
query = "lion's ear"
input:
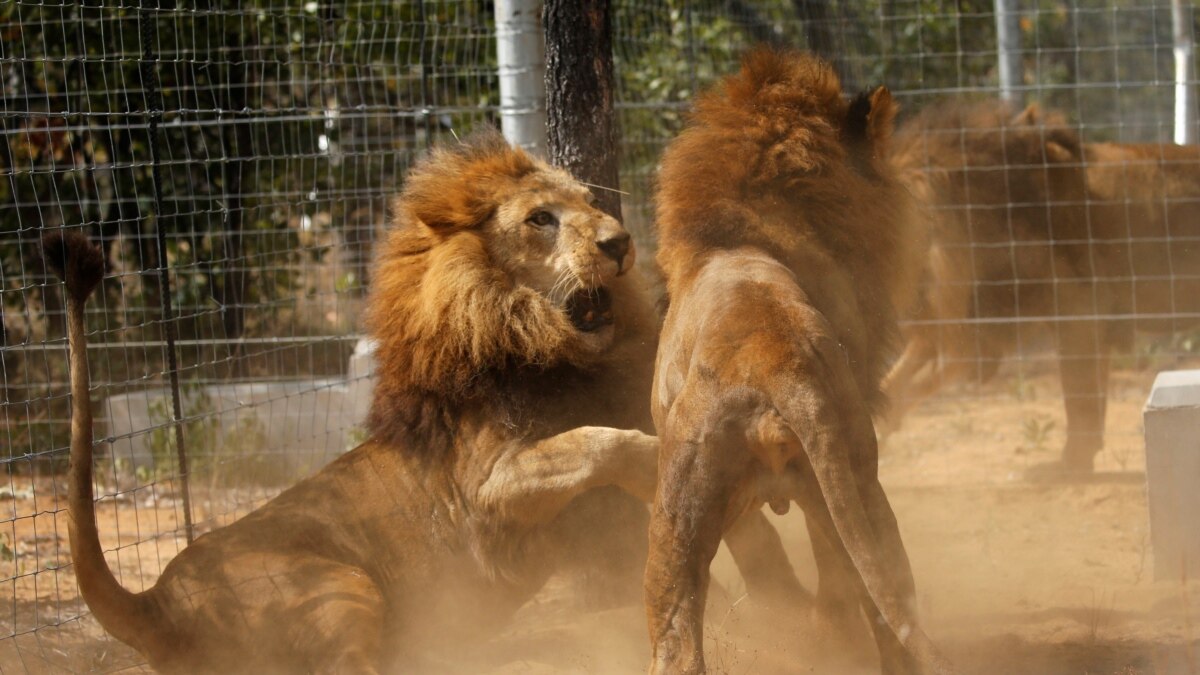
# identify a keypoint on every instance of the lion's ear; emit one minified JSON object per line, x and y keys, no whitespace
{"x":1029,"y":117}
{"x":870,"y":115}
{"x":881,"y":117}
{"x":1059,"y":154}
{"x":869,"y":120}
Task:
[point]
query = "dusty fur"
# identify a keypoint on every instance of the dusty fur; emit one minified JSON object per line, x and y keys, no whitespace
{"x":497,"y":423}
{"x":787,"y":245}
{"x":1011,"y":237}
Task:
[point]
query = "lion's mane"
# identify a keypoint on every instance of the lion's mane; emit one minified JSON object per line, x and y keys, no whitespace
{"x":760,"y":166}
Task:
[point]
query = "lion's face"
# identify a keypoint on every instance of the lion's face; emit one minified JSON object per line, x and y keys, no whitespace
{"x":548,"y":236}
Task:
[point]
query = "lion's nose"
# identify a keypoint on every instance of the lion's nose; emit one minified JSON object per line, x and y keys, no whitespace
{"x":616,"y":247}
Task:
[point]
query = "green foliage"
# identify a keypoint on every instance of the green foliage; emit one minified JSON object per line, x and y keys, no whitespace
{"x":199,"y":431}
{"x":657,"y":78}
{"x":7,"y":554}
{"x":356,"y":436}
{"x":273,"y":117}
{"x":220,"y":456}
{"x":1035,"y":432}
{"x":663,"y":76}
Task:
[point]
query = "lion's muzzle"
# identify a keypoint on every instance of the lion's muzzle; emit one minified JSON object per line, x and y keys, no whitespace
{"x":616,"y":248}
{"x":590,"y":309}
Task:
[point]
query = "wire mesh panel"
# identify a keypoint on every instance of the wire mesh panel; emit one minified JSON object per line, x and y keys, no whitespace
{"x":1098,"y":72}
{"x":278,"y":132}
{"x":249,"y":148}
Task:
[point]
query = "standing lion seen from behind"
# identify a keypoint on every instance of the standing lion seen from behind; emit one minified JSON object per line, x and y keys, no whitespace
{"x":785,"y":269}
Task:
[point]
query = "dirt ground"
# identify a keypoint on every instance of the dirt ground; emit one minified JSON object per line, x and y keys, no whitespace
{"x":1013,"y":576}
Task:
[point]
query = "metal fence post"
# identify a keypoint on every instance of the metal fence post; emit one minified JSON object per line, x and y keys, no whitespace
{"x":521,"y":65}
{"x":1182,"y":23}
{"x":154,"y":115}
{"x":1008,"y":49}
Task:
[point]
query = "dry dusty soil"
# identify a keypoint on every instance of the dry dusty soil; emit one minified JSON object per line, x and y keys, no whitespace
{"x":1014,"y":576}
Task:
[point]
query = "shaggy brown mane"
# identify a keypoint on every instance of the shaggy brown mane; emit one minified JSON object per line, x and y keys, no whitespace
{"x":451,"y":328}
{"x":790,"y":168}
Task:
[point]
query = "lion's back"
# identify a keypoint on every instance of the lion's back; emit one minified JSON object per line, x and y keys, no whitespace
{"x":775,"y":161}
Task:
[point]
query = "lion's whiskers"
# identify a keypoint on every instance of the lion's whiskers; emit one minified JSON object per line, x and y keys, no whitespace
{"x":557,"y":295}
{"x":561,"y":283}
{"x":604,"y":187}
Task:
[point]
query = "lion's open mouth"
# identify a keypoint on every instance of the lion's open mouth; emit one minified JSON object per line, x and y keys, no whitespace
{"x":590,"y":309}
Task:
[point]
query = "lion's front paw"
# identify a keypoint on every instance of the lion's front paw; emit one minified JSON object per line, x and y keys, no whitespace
{"x":638,"y":474}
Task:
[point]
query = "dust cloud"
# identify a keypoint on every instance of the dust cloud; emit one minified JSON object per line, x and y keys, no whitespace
{"x":1013,"y":576}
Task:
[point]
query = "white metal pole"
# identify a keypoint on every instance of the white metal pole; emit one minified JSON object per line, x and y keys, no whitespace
{"x":521,"y":60}
{"x":1008,"y":49}
{"x":1185,"y":72}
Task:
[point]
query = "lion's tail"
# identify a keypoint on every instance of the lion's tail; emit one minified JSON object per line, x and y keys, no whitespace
{"x":129,"y":617}
{"x":834,"y":427}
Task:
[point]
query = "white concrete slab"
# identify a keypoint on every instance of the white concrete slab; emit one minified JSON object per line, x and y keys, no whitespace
{"x":1172,"y":423}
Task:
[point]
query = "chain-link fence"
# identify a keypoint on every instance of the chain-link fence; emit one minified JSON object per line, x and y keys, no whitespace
{"x":249,"y":149}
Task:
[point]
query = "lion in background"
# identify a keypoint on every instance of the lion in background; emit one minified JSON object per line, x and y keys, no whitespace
{"x":515,"y":355}
{"x":1031,"y":229}
{"x":785,"y":268}
{"x":1149,"y":194}
{"x":1012,"y":249}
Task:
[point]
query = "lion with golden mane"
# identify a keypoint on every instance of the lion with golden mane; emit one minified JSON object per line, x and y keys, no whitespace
{"x":514,"y":350}
{"x":784,"y":269}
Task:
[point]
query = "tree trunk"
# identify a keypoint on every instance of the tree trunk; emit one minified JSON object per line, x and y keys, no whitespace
{"x":7,"y":364}
{"x":758,"y":28}
{"x":231,"y":291}
{"x":581,"y":130}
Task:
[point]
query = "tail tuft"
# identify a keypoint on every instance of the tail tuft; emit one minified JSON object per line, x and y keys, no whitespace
{"x":75,"y":260}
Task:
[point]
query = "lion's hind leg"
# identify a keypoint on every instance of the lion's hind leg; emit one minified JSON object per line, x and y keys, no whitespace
{"x":761,"y":559}
{"x":336,"y":624}
{"x":685,"y":529}
{"x":903,"y":388}
{"x":703,"y":464}
{"x":1083,"y":367}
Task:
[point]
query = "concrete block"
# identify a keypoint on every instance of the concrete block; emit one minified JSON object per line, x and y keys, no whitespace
{"x":360,"y":379}
{"x":1172,"y":422}
{"x":296,"y":426}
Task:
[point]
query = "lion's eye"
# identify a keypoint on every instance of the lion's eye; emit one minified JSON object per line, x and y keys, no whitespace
{"x":542,"y":219}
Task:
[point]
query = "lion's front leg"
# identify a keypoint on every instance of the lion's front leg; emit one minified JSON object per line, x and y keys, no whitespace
{"x":533,"y":484}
